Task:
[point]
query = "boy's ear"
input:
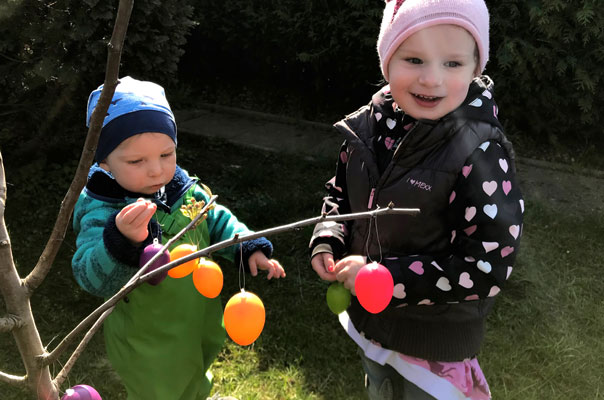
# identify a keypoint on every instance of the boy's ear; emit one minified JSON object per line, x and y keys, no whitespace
{"x":103,"y":164}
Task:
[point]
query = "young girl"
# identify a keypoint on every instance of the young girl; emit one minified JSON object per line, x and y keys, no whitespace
{"x":160,"y":339}
{"x":429,"y":139}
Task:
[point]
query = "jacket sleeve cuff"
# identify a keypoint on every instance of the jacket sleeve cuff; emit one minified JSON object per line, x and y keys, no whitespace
{"x":327,"y":245}
{"x":251,"y":246}
{"x":120,"y":247}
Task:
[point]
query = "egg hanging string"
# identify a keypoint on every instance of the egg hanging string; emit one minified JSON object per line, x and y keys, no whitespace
{"x":373,"y":222}
{"x":241,"y":271}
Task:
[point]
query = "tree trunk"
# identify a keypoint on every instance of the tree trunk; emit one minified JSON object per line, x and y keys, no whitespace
{"x":16,"y":298}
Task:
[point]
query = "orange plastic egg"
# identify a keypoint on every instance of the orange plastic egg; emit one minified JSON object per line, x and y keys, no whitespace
{"x":184,"y":269}
{"x":244,"y":317}
{"x":207,"y":278}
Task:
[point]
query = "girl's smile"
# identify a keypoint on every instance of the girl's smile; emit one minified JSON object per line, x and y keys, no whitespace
{"x":431,"y":71}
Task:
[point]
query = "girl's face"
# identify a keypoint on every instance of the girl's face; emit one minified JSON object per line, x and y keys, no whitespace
{"x":431,"y":71}
{"x":143,"y":163}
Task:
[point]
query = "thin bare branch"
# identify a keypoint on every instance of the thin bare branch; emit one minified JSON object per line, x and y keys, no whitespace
{"x":280,"y":229}
{"x":13,"y":379}
{"x":134,"y":282}
{"x":10,"y":322}
{"x":37,"y":275}
{"x":194,"y":221}
{"x":62,"y":375}
{"x":51,"y":357}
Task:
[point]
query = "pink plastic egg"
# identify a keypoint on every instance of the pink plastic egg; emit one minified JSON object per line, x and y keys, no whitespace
{"x":81,"y":392}
{"x":374,"y":287}
{"x":147,"y":254}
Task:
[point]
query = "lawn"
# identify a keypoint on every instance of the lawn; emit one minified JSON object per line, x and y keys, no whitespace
{"x":544,"y":336}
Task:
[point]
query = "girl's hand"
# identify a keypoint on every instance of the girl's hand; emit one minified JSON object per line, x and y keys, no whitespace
{"x":259,"y":261}
{"x":324,"y":266}
{"x":346,"y":270}
{"x":133,"y":220}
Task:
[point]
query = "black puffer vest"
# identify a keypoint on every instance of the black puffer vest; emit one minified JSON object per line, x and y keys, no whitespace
{"x":421,"y":175}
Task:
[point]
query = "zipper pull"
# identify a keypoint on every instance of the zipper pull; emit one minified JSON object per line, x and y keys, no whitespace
{"x":370,"y":204}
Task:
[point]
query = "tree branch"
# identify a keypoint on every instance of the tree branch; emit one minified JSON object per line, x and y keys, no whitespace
{"x":35,"y":278}
{"x":62,"y":375}
{"x":139,"y":278}
{"x":13,"y":379}
{"x":10,"y":322}
{"x":51,"y":357}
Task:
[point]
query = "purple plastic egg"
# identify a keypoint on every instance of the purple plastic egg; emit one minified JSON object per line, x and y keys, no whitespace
{"x":147,"y":254}
{"x":81,"y":392}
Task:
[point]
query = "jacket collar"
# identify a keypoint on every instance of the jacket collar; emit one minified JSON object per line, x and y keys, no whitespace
{"x":102,"y":186}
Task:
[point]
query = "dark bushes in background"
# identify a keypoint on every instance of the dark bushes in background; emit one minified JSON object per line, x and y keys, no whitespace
{"x":313,"y":59}
{"x":546,"y":59}
{"x":54,"y":52}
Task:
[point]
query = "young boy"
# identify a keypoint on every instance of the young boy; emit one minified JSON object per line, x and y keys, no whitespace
{"x":160,"y":339}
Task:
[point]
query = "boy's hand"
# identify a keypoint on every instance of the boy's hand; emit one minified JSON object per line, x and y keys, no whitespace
{"x":324,"y":266}
{"x":346,"y":270}
{"x":133,"y":220}
{"x":259,"y":261}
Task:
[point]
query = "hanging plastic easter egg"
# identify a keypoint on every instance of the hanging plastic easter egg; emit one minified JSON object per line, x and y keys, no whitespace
{"x":81,"y":392}
{"x":244,"y":317}
{"x":374,"y":287}
{"x":184,"y":269}
{"x":147,"y":254}
{"x":207,"y":278}
{"x":338,"y":297}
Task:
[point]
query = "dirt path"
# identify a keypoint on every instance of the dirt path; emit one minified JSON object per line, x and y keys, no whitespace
{"x":563,"y":187}
{"x":566,"y":189}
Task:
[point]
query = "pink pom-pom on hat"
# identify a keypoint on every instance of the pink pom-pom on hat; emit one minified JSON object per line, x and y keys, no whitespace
{"x":402,"y":18}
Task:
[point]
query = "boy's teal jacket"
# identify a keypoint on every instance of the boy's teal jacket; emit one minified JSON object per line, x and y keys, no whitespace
{"x":160,"y":339}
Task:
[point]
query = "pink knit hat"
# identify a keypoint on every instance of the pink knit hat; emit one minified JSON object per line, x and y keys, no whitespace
{"x":402,"y":18}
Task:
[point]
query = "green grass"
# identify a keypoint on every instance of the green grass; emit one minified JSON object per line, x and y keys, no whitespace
{"x":544,"y":337}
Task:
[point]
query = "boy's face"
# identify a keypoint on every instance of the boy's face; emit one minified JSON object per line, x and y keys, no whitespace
{"x":143,"y":163}
{"x":431,"y":71}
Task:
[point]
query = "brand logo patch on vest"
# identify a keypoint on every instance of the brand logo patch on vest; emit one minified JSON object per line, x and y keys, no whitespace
{"x":419,"y":184}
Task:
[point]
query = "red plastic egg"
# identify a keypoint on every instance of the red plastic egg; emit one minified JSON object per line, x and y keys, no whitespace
{"x":244,"y":318}
{"x":147,"y":254}
{"x":374,"y":287}
{"x":81,"y":392}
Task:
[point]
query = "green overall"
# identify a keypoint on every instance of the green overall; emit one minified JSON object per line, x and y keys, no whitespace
{"x":170,"y":331}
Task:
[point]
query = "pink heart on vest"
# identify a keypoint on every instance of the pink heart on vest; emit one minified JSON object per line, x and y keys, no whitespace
{"x":466,"y":170}
{"x":465,"y":280}
{"x":399,"y":291}
{"x":470,"y":213}
{"x":507,"y":186}
{"x":470,"y":230}
{"x":514,"y":231}
{"x":494,"y":290}
{"x":489,"y":187}
{"x":506,"y":251}
{"x":490,"y":246}
{"x":417,"y":267}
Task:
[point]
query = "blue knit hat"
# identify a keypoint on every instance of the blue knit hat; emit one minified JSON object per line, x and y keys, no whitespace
{"x":136,"y":107}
